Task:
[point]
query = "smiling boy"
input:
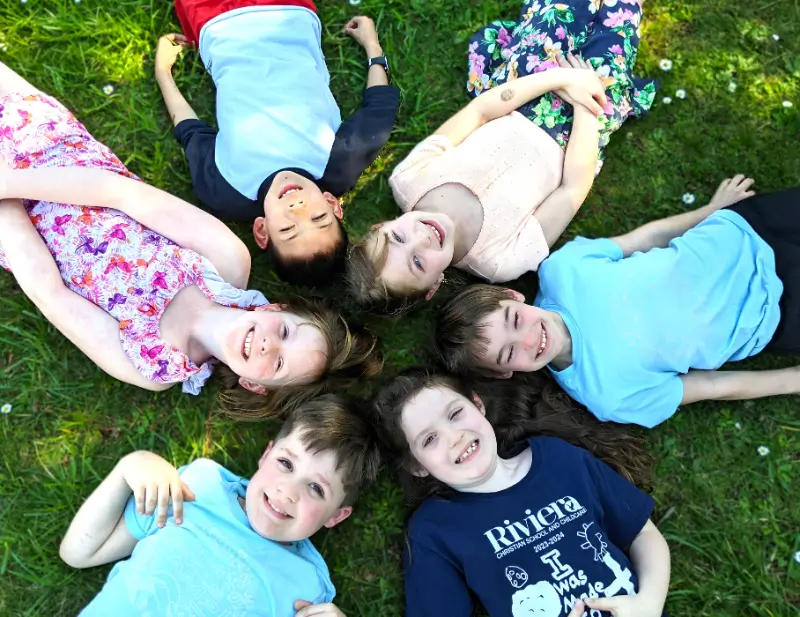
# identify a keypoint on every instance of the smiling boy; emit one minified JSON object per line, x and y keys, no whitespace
{"x":282,"y":155}
{"x":227,"y":546}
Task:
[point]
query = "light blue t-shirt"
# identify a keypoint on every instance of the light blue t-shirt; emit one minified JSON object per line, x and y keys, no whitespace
{"x":275,"y":109}
{"x":213,"y":564}
{"x":638,"y":323}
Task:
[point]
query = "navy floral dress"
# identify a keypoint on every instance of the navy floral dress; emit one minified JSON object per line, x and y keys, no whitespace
{"x":604,"y":32}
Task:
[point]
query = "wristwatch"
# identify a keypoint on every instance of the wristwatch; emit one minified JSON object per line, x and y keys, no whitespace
{"x":380,"y":60}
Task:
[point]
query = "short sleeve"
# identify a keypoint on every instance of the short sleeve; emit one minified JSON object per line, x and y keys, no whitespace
{"x":141,"y":525}
{"x":591,"y":248}
{"x":626,"y":508}
{"x":564,"y":263}
{"x":434,"y":585}
{"x":648,"y":406}
{"x":406,"y":179}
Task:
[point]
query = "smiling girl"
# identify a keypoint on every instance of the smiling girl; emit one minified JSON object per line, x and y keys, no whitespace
{"x":149,"y":287}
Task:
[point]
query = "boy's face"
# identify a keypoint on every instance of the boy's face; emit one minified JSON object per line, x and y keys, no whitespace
{"x":299,"y":219}
{"x":294,"y":493}
{"x":419,"y":248}
{"x":521,"y":338}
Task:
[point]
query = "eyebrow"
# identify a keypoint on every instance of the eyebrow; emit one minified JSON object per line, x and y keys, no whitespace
{"x":328,"y":224}
{"x":505,"y":325}
{"x":321,"y":477}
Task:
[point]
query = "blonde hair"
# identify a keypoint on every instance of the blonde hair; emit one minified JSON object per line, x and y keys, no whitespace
{"x":353,"y":354}
{"x":368,"y":287}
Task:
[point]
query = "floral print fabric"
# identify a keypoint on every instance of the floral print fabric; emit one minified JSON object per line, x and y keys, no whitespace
{"x":126,"y":269}
{"x":603,"y":32}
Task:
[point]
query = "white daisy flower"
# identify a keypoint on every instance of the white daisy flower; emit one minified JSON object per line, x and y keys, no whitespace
{"x":797,"y":556}
{"x":738,"y":426}
{"x":108,"y":89}
{"x":688,"y":198}
{"x":787,"y":104}
{"x":732,"y":87}
{"x":666,"y":100}
{"x":775,"y":37}
{"x":763,"y":450}
{"x":355,"y":2}
{"x":3,"y":47}
{"x":77,"y":1}
{"x":6,"y":408}
{"x":680,"y":93}
{"x":665,"y":64}
{"x":23,"y":1}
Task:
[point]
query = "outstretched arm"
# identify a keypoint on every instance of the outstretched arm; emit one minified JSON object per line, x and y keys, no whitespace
{"x":169,"y":48}
{"x":658,"y":234}
{"x":580,"y":164}
{"x":181,"y":222}
{"x":362,"y":29}
{"x":738,"y":385}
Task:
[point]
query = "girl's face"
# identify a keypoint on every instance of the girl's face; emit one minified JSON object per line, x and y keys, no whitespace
{"x":273,"y":347}
{"x":419,"y":248}
{"x":450,"y":437}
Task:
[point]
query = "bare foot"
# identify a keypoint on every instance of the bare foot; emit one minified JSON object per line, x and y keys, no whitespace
{"x":732,"y":190}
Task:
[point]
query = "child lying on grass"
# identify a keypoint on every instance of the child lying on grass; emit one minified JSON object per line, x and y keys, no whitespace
{"x":636,"y":325}
{"x":227,"y":545}
{"x":282,"y":155}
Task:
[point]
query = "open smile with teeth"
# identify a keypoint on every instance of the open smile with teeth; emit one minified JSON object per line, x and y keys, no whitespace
{"x":275,"y":508}
{"x":436,"y":232}
{"x":543,"y":344}
{"x":288,"y":191}
{"x":468,"y":452}
{"x":248,"y":342}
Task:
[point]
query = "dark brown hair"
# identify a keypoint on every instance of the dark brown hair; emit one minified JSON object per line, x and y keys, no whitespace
{"x":353,"y":354}
{"x":317,"y":270}
{"x":528,"y":405}
{"x":331,"y":423}
{"x":459,"y":327}
{"x":367,"y":286}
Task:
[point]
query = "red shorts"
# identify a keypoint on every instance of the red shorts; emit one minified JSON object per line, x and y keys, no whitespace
{"x":194,"y":14}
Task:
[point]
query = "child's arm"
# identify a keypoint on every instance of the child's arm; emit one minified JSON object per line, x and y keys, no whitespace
{"x":165,"y":214}
{"x":738,"y":385}
{"x":580,"y":164}
{"x":169,"y":48}
{"x":583,"y":86}
{"x":88,"y":327}
{"x":99,"y":534}
{"x":650,"y":558}
{"x":658,"y":234}
{"x":362,"y":29}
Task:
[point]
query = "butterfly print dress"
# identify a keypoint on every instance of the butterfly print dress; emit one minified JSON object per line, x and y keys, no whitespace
{"x":108,"y":258}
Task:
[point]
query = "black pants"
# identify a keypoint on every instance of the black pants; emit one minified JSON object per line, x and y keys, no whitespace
{"x":776,"y":218}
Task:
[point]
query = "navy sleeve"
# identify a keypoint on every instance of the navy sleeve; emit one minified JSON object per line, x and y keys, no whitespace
{"x":435,"y":585}
{"x":625,"y":507}
{"x":198,"y":140}
{"x":360,"y":138}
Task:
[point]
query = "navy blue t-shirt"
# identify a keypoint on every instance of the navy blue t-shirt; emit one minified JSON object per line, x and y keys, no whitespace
{"x":535,"y":548}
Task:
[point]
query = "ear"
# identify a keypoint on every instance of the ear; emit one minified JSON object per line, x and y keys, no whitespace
{"x":264,"y":456}
{"x":478,"y":403}
{"x":334,"y":204}
{"x":420,"y":472}
{"x":339,"y":516}
{"x":507,"y":375}
{"x":435,"y":287}
{"x":515,"y":295}
{"x":253,"y":387}
{"x":376,"y":227}
{"x":275,"y":306}
{"x":260,"y":232}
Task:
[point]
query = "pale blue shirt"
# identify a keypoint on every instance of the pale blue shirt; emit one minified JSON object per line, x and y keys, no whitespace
{"x":213,"y":564}
{"x":638,"y":323}
{"x":275,"y":109}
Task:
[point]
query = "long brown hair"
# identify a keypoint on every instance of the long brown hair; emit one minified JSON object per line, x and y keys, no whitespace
{"x":527,"y":405}
{"x":353,"y":354}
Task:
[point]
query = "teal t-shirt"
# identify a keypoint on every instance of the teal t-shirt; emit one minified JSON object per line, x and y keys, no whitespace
{"x":213,"y":564}
{"x":638,"y":323}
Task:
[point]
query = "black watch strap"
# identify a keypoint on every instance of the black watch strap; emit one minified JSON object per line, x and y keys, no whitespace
{"x":379,"y":60}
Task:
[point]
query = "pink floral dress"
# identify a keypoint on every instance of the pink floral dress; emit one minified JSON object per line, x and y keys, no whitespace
{"x":128,"y":270}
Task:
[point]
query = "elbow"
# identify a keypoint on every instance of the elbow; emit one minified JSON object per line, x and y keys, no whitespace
{"x":72,"y":557}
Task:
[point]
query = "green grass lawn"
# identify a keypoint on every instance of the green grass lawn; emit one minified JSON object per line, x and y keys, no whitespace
{"x":729,"y":515}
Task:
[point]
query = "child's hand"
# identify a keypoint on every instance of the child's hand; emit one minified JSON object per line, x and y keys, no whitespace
{"x":306,"y":609}
{"x":577,"y":609}
{"x":584,"y":86}
{"x":170,"y":46}
{"x":730,"y":191}
{"x":153,"y":481}
{"x":627,"y":606}
{"x":362,"y":29}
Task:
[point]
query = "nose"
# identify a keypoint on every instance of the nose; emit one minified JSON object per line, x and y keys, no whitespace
{"x":423,"y":236}
{"x":268,"y":345}
{"x":288,"y":492}
{"x":530,"y":341}
{"x":454,"y":438}
{"x":299,"y":204}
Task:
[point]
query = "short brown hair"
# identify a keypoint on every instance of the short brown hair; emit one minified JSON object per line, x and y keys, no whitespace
{"x":353,"y":354}
{"x":367,"y":286}
{"x":460,"y":327}
{"x":331,"y":423}
{"x":317,"y":270}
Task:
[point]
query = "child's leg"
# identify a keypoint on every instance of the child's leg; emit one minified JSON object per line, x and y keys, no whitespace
{"x":11,"y":82}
